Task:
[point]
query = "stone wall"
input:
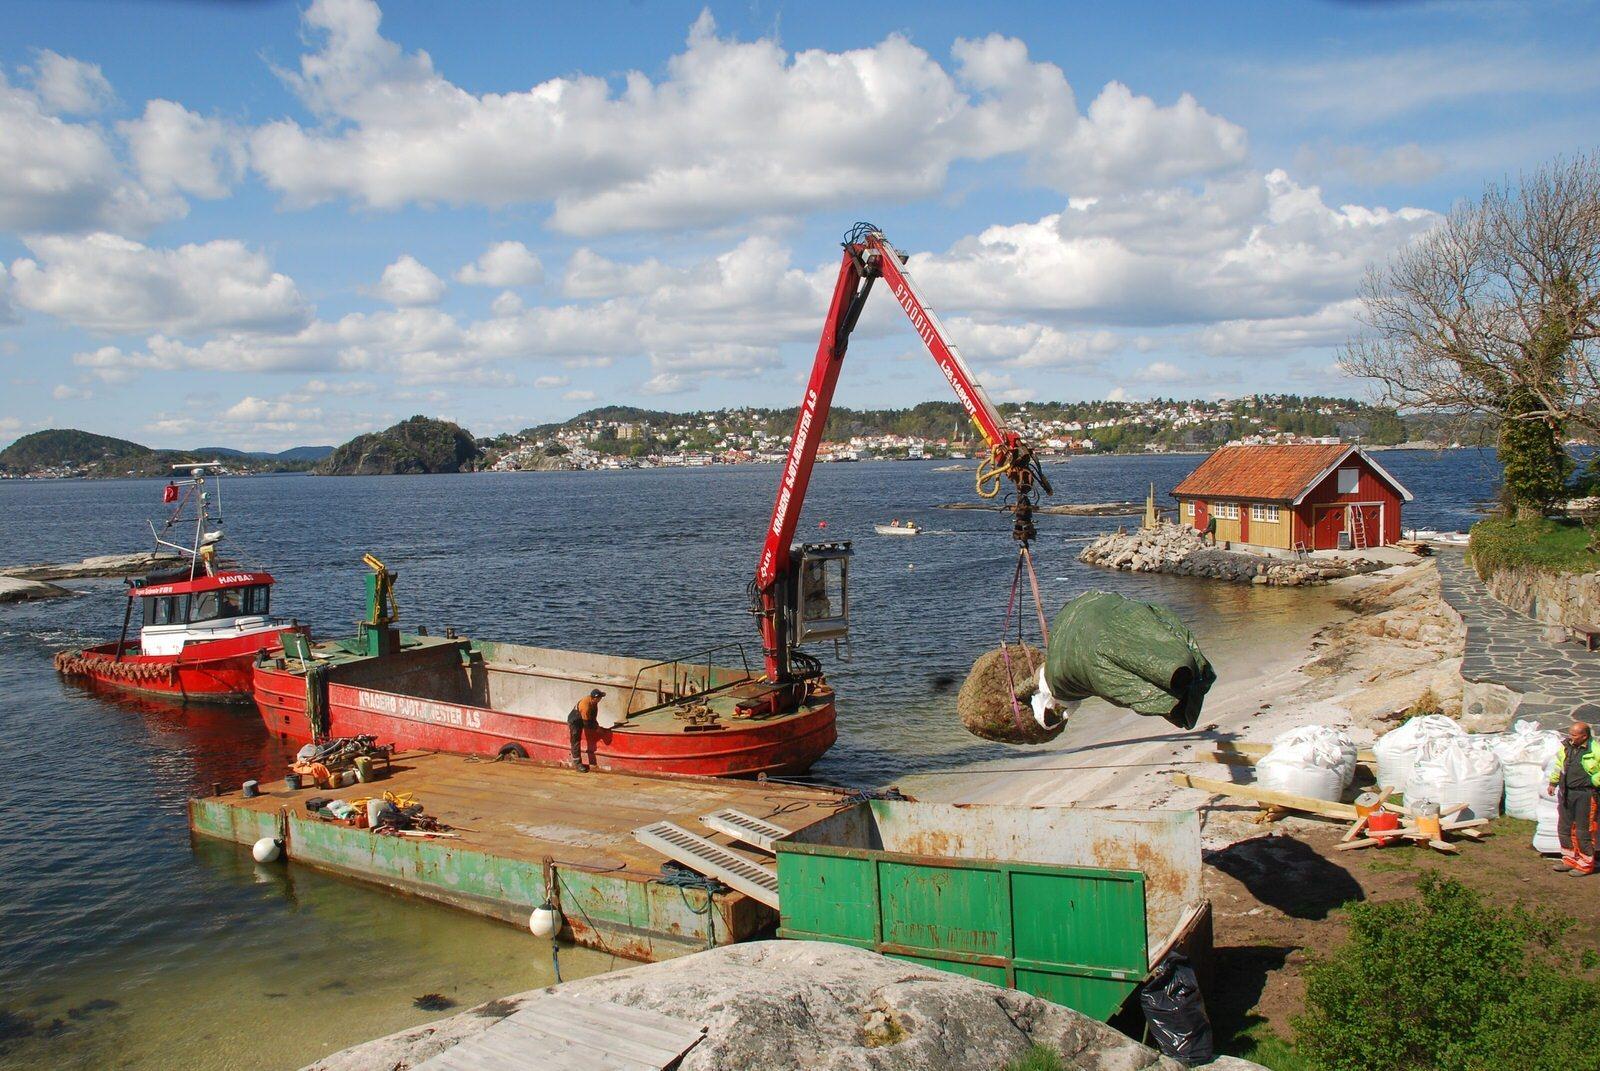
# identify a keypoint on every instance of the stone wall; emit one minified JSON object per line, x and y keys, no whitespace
{"x":1557,"y":599}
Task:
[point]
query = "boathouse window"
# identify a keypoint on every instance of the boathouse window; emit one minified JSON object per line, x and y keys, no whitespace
{"x":1228,"y":511}
{"x":1266,"y":514}
{"x":1188,"y":509}
{"x":1349,"y":481}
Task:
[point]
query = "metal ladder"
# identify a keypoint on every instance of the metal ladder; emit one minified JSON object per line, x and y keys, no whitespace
{"x":711,"y":859}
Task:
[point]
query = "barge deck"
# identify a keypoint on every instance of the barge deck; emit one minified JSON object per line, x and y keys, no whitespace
{"x":527,"y":832}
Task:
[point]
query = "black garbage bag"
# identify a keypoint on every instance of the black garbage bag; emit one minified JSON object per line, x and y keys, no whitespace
{"x":1176,"y":1012}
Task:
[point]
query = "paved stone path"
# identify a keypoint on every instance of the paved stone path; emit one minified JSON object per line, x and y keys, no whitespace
{"x":1557,"y":681}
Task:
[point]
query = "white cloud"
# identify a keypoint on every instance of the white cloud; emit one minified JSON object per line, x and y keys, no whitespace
{"x":68,"y":86}
{"x":732,"y":129}
{"x":1250,"y":247}
{"x":105,"y":283}
{"x":1117,"y":394}
{"x":551,"y":382}
{"x":578,"y":396}
{"x":57,"y":175}
{"x":1370,"y":88}
{"x":175,"y":149}
{"x":65,"y":392}
{"x":666,"y":383}
{"x":1031,"y":345}
{"x":408,"y":282}
{"x":1162,"y":372}
{"x":503,"y":264}
{"x":1406,"y":163}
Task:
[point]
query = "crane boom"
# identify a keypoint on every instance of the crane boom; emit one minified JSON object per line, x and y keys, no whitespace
{"x":867,"y":257}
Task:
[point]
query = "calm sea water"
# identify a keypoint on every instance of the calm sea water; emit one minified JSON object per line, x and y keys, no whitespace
{"x":126,"y":945}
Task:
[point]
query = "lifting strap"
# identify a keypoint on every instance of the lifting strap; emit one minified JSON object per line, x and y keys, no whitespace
{"x":1024,"y":561}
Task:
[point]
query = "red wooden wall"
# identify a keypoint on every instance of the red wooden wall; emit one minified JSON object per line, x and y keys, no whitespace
{"x":1369,"y":488}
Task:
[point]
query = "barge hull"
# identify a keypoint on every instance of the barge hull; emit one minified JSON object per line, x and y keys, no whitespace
{"x":528,"y":832}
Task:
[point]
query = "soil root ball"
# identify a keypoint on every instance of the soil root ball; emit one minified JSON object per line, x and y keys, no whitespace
{"x":985,"y":701}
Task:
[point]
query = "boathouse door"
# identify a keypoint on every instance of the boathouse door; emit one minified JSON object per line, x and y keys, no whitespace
{"x":1202,"y":514}
{"x":1329,"y":522}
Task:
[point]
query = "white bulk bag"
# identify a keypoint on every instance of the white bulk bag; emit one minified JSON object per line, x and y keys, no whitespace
{"x":1314,"y":761}
{"x":1397,"y":750}
{"x":1460,"y":770}
{"x":1524,"y":752}
{"x":1546,"y":841}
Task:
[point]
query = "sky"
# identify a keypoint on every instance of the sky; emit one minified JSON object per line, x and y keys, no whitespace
{"x":267,"y":224}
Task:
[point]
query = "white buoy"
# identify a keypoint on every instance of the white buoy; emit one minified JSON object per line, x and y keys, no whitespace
{"x":265,"y":850}
{"x":545,"y":921}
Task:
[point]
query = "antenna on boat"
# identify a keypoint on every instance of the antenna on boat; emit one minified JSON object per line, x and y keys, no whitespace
{"x":203,"y":549}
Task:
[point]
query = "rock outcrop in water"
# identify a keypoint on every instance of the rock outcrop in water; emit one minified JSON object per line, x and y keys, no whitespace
{"x":415,"y":446}
{"x":1181,"y":551}
{"x":809,"y":1006}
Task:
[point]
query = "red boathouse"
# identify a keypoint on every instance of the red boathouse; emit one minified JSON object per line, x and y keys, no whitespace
{"x":1301,"y":496}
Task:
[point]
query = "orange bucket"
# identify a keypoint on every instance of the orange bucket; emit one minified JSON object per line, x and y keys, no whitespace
{"x":1380,"y":822}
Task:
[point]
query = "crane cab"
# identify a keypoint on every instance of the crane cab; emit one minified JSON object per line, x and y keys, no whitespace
{"x":820,"y":589}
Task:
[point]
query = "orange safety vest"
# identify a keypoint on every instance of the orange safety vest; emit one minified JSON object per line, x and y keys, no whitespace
{"x":589,"y":709}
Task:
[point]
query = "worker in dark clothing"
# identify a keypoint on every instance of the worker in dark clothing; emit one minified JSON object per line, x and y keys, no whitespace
{"x":1573,"y":782}
{"x":586,"y":715}
{"x":1210,"y":534}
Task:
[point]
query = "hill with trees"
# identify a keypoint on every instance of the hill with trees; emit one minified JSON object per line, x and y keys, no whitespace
{"x":418,"y":445}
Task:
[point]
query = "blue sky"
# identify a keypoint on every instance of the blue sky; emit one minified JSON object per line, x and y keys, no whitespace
{"x":270,"y":224}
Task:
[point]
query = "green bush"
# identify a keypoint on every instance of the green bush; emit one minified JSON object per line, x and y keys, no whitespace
{"x":1038,"y":1058}
{"x":1449,"y":982}
{"x":1551,"y":545}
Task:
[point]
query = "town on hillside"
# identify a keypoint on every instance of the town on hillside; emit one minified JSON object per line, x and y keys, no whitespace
{"x":623,"y":437}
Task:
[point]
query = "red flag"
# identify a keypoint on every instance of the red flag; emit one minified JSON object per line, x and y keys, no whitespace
{"x":169,"y":493}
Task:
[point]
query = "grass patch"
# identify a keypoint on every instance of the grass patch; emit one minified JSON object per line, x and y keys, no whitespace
{"x":1038,"y":1058}
{"x":1260,"y":1045}
{"x":1546,"y":544}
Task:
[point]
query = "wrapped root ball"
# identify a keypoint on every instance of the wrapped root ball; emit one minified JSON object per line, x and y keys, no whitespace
{"x":986,"y":699}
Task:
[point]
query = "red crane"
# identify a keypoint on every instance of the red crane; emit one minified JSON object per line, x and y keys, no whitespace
{"x":800,"y":591}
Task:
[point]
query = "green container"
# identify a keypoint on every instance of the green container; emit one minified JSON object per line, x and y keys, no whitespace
{"x":996,"y":893}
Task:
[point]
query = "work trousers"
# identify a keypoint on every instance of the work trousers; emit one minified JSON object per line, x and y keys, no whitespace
{"x":575,"y":738}
{"x":1575,"y":827}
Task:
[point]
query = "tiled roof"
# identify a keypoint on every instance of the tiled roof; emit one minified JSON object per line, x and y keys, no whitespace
{"x":1275,"y":473}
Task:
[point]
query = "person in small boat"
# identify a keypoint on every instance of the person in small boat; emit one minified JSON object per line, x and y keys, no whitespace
{"x":584,"y":716}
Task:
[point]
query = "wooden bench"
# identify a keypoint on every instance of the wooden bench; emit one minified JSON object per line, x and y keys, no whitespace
{"x":1589,"y":637}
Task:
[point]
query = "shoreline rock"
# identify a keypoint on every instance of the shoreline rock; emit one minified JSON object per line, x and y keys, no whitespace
{"x":101,"y":565}
{"x":1179,"y":550}
{"x":808,"y":1006}
{"x":16,"y":589}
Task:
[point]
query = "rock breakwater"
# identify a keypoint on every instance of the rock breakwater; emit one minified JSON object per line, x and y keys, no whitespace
{"x":1181,"y":551}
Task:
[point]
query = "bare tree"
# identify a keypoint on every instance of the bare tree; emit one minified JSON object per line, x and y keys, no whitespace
{"x":1497,"y":310}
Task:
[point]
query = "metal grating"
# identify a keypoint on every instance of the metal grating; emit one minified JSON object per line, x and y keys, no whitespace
{"x":712,"y":860}
{"x":744,"y":827}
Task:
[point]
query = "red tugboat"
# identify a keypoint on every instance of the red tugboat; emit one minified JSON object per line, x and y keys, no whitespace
{"x":201,"y":625}
{"x":688,"y":715}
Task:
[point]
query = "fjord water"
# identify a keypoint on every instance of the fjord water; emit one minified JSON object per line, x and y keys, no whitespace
{"x":125,"y":945}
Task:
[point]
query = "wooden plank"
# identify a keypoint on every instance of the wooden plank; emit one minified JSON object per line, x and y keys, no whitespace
{"x":555,"y":1032}
{"x":1251,"y":751}
{"x":1268,"y":797}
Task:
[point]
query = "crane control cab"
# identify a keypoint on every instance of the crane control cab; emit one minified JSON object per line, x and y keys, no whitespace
{"x":801,"y":590}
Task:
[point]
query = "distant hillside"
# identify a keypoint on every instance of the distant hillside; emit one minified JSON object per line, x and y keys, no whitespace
{"x":418,"y":445}
{"x":67,"y":448}
{"x":70,"y":452}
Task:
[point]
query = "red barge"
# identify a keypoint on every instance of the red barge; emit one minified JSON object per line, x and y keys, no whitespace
{"x":682,"y":716}
{"x":201,"y":626}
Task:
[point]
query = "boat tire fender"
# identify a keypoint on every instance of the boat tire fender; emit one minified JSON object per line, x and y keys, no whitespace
{"x":511,"y":751}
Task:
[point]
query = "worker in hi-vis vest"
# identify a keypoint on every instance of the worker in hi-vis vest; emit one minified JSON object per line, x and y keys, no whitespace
{"x":584,"y":716}
{"x":1573,"y":782}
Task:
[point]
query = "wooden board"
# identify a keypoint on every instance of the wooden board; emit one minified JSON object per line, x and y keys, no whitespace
{"x":554,"y":1032}
{"x":1266,"y":797}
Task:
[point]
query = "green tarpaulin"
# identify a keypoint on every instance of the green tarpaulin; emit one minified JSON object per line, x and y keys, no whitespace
{"x":1132,"y":654}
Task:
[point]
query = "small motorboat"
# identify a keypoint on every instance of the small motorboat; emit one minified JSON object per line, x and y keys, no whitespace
{"x":201,"y":624}
{"x":897,"y":528}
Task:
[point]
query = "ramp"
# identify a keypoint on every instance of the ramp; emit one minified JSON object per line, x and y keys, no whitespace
{"x":713,"y":860}
{"x":558,"y":1033}
{"x":743,"y":827}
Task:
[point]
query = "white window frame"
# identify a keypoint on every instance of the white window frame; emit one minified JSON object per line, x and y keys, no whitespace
{"x":1188,"y":509}
{"x":1264,"y":514}
{"x":1228,"y":511}
{"x":1349,"y":481}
